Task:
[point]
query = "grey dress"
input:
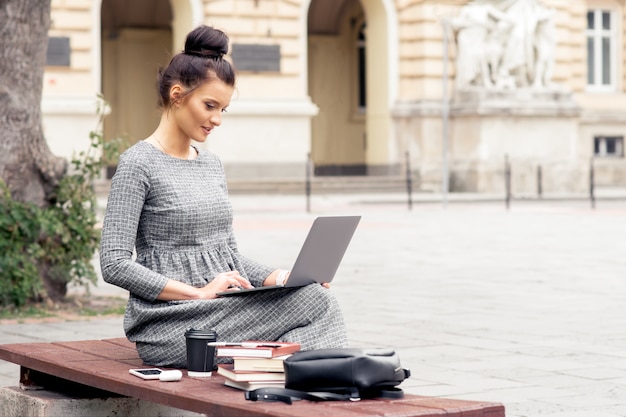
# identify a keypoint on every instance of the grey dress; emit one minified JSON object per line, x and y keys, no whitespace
{"x":177,"y":216}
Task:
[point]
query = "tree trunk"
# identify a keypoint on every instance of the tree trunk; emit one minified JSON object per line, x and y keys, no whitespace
{"x":27,"y":165}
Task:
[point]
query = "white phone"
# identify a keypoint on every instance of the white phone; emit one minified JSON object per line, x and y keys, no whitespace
{"x":146,"y":373}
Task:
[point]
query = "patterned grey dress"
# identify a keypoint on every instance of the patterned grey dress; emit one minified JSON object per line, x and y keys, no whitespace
{"x":177,"y":216}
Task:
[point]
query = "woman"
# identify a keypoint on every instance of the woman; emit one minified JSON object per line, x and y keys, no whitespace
{"x":168,"y":201}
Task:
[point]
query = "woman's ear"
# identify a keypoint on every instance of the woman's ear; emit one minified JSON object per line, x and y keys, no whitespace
{"x":176,"y":93}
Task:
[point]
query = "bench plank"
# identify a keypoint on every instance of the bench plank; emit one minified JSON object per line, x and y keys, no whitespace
{"x":104,"y":364}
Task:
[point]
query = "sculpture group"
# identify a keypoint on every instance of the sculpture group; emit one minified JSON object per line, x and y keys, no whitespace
{"x":504,"y":45}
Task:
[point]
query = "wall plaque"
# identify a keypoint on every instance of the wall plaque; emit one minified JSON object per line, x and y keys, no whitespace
{"x":59,"y":51}
{"x":257,"y":58}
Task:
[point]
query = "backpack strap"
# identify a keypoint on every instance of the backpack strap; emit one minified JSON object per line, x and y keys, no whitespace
{"x":289,"y":395}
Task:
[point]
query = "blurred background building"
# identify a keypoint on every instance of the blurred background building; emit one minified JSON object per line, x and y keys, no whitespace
{"x":367,"y":88}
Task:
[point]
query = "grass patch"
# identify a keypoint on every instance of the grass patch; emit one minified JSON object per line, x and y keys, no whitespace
{"x":116,"y":310}
{"x":73,"y":308}
{"x":29,"y":311}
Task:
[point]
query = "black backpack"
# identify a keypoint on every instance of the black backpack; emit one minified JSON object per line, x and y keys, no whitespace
{"x":338,"y":374}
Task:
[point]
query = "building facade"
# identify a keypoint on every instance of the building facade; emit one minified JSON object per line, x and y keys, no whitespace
{"x":358,"y":85}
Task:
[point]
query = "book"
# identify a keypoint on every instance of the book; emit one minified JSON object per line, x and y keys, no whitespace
{"x":255,"y":349}
{"x":274,"y":364}
{"x":227,"y":372}
{"x":251,"y":386}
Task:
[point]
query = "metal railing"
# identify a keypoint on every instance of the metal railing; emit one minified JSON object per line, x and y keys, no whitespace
{"x":309,"y":179}
{"x":592,"y":183}
{"x":508,"y":179}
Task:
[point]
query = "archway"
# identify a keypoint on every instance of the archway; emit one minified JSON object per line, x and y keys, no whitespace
{"x":137,"y":38}
{"x":351,"y":87}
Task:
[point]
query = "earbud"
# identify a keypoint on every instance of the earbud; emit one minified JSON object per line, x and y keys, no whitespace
{"x":173,"y":375}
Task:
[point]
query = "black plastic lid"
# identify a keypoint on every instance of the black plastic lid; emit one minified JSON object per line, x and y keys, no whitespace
{"x":201,"y":334}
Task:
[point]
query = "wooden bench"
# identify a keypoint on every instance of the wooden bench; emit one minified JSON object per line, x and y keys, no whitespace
{"x":73,"y":367}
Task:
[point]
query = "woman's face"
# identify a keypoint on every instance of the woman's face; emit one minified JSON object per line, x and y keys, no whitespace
{"x":199,"y":112}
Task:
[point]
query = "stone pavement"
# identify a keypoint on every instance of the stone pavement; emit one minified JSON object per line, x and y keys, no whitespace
{"x":525,"y":306}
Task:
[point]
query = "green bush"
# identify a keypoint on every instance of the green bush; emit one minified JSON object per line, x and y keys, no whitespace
{"x":58,"y":241}
{"x":19,"y":276}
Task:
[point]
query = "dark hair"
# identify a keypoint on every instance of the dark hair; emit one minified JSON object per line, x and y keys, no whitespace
{"x":202,"y":59}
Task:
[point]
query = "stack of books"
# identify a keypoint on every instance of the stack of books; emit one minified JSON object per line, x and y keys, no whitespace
{"x":256,"y":364}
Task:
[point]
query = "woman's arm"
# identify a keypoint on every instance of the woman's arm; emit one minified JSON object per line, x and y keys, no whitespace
{"x":272,"y":278}
{"x":130,"y":187}
{"x":176,"y":290}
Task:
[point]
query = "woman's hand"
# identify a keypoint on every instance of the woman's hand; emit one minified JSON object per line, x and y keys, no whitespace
{"x":226,"y":281}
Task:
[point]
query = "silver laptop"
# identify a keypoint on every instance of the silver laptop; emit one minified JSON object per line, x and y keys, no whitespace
{"x":320,"y":255}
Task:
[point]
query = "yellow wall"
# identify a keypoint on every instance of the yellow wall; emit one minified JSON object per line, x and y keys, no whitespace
{"x":130,"y":61}
{"x":266,"y":22}
{"x":338,"y":130}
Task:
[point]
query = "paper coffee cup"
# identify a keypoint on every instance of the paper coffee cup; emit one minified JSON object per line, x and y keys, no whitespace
{"x":200,"y":356}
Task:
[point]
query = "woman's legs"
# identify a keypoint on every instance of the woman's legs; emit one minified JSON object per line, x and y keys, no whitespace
{"x":309,"y":315}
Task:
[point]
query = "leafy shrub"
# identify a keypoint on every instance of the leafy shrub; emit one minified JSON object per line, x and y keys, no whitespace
{"x":57,"y":242}
{"x":19,"y":276}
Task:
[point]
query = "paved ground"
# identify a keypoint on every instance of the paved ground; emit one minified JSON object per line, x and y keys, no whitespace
{"x":526,"y":307}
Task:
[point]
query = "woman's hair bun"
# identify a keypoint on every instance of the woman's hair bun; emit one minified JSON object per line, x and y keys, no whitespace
{"x":186,"y":69}
{"x":206,"y":41}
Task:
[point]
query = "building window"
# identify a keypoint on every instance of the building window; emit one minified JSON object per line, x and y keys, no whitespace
{"x":361,"y":65}
{"x":600,"y":49}
{"x":608,"y":146}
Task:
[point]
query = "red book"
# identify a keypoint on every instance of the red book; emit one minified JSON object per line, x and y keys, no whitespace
{"x":255,"y":349}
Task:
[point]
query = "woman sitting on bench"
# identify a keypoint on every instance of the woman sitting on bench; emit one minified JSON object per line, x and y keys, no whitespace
{"x":168,"y":200}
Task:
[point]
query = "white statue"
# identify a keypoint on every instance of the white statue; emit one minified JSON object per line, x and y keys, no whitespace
{"x":494,"y":49}
{"x":545,"y":45}
{"x":474,"y":27}
{"x":504,"y":44}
